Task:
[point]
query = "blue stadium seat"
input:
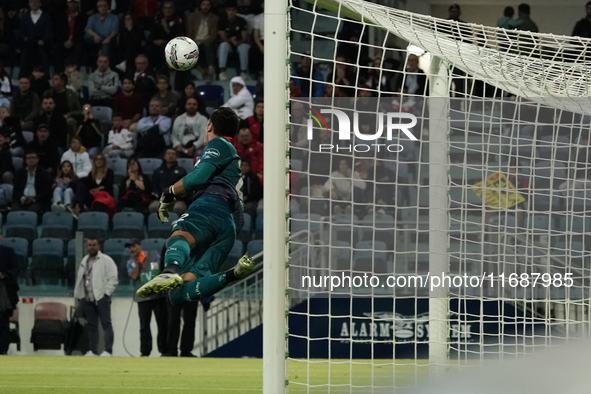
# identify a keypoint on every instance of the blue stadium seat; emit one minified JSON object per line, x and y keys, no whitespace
{"x":303,"y":221}
{"x":58,"y":225}
{"x":245,"y":234}
{"x":370,"y":262}
{"x":94,"y":225}
{"x":234,"y":255}
{"x":258,"y":227}
{"x":103,"y":115}
{"x":149,"y":165}
{"x":21,"y":249}
{"x":17,"y":162}
{"x":252,"y":90}
{"x":155,"y":244}
{"x":21,"y":224}
{"x":70,"y":268}
{"x":119,"y":167}
{"x":156,"y":229}
{"x":212,"y":94}
{"x":369,"y":245}
{"x":115,"y":248}
{"x":128,"y":225}
{"x":540,"y":223}
{"x":340,"y":256}
{"x":186,"y":163}
{"x":29,"y":136}
{"x":254,"y":247}
{"x":47,"y":262}
{"x":85,"y":93}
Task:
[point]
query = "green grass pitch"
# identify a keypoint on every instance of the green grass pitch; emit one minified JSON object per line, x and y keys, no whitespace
{"x":82,"y":375}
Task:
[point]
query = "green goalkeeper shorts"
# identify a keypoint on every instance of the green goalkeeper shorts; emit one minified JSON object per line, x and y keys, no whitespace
{"x":209,"y":220}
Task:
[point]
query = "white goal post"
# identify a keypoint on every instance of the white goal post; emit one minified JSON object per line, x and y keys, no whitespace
{"x":494,"y":190}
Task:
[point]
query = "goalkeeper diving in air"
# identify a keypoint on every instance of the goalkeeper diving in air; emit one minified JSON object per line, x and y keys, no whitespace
{"x":203,"y":236}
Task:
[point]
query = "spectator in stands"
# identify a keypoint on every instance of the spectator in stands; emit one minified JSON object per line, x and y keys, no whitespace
{"x":34,"y":37}
{"x":95,"y":283}
{"x":56,"y":123}
{"x":402,"y":102}
{"x":385,"y":187}
{"x":145,"y":83}
{"x":240,"y":99}
{"x":168,"y":26}
{"x":25,"y":104}
{"x":9,"y":273}
{"x":6,"y":34}
{"x":64,"y":185}
{"x":120,"y":140}
{"x":414,"y":79}
{"x":102,"y":29}
{"x":32,"y":187}
{"x":341,"y":186}
{"x":142,"y":266}
{"x":506,"y":21}
{"x":75,"y":77}
{"x":68,"y":35}
{"x":39,"y":81}
{"x":145,"y":12}
{"x":190,"y":92}
{"x":46,"y":150}
{"x":583,"y":27}
{"x":524,"y":22}
{"x":103,"y":83}
{"x":166,"y":97}
{"x":255,"y":122}
{"x":6,"y":91}
{"x":257,"y":51}
{"x":135,"y":191}
{"x":11,"y":128}
{"x":131,"y":42}
{"x":100,"y":179}
{"x":78,"y":157}
{"x":90,"y":132}
{"x":154,"y":132}
{"x":311,"y":82}
{"x":168,"y":174}
{"x":252,"y":190}
{"x":249,"y":148}
{"x":67,"y":102}
{"x":202,"y":27}
{"x":454,"y":13}
{"x":129,"y":104}
{"x":233,"y":34}
{"x":377,"y":76}
{"x":6,"y":168}
{"x":343,"y":76}
{"x":188,"y":132}
{"x":294,"y":89}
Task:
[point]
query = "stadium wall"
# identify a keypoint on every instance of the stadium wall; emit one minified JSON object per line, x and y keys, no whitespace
{"x":119,"y":313}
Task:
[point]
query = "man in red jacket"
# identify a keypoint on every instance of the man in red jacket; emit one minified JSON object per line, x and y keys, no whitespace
{"x":248,"y":147}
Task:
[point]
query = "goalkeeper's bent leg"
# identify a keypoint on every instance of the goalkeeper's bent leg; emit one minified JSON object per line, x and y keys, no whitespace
{"x":197,"y":289}
{"x":177,"y":254}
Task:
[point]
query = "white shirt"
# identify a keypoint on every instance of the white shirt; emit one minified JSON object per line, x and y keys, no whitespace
{"x":259,"y":24}
{"x":202,"y":31}
{"x":35,"y":16}
{"x":30,"y":186}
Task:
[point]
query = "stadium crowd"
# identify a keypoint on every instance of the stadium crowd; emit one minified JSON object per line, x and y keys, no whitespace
{"x":63,"y":131}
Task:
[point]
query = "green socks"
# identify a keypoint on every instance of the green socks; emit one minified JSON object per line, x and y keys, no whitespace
{"x":177,"y":252}
{"x":198,"y":289}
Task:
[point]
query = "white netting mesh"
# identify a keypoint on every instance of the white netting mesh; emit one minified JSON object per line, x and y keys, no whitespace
{"x":517,"y":111}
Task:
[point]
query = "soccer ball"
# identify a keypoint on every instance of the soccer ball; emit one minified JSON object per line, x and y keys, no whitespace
{"x":181,"y":53}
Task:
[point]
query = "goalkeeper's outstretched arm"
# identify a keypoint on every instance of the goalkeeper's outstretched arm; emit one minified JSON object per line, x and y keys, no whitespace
{"x":188,"y":184}
{"x":199,"y":176}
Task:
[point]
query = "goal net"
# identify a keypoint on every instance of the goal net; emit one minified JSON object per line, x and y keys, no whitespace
{"x":439,"y":194}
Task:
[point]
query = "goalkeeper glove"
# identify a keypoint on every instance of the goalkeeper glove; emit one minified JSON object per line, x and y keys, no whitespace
{"x":166,"y":204}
